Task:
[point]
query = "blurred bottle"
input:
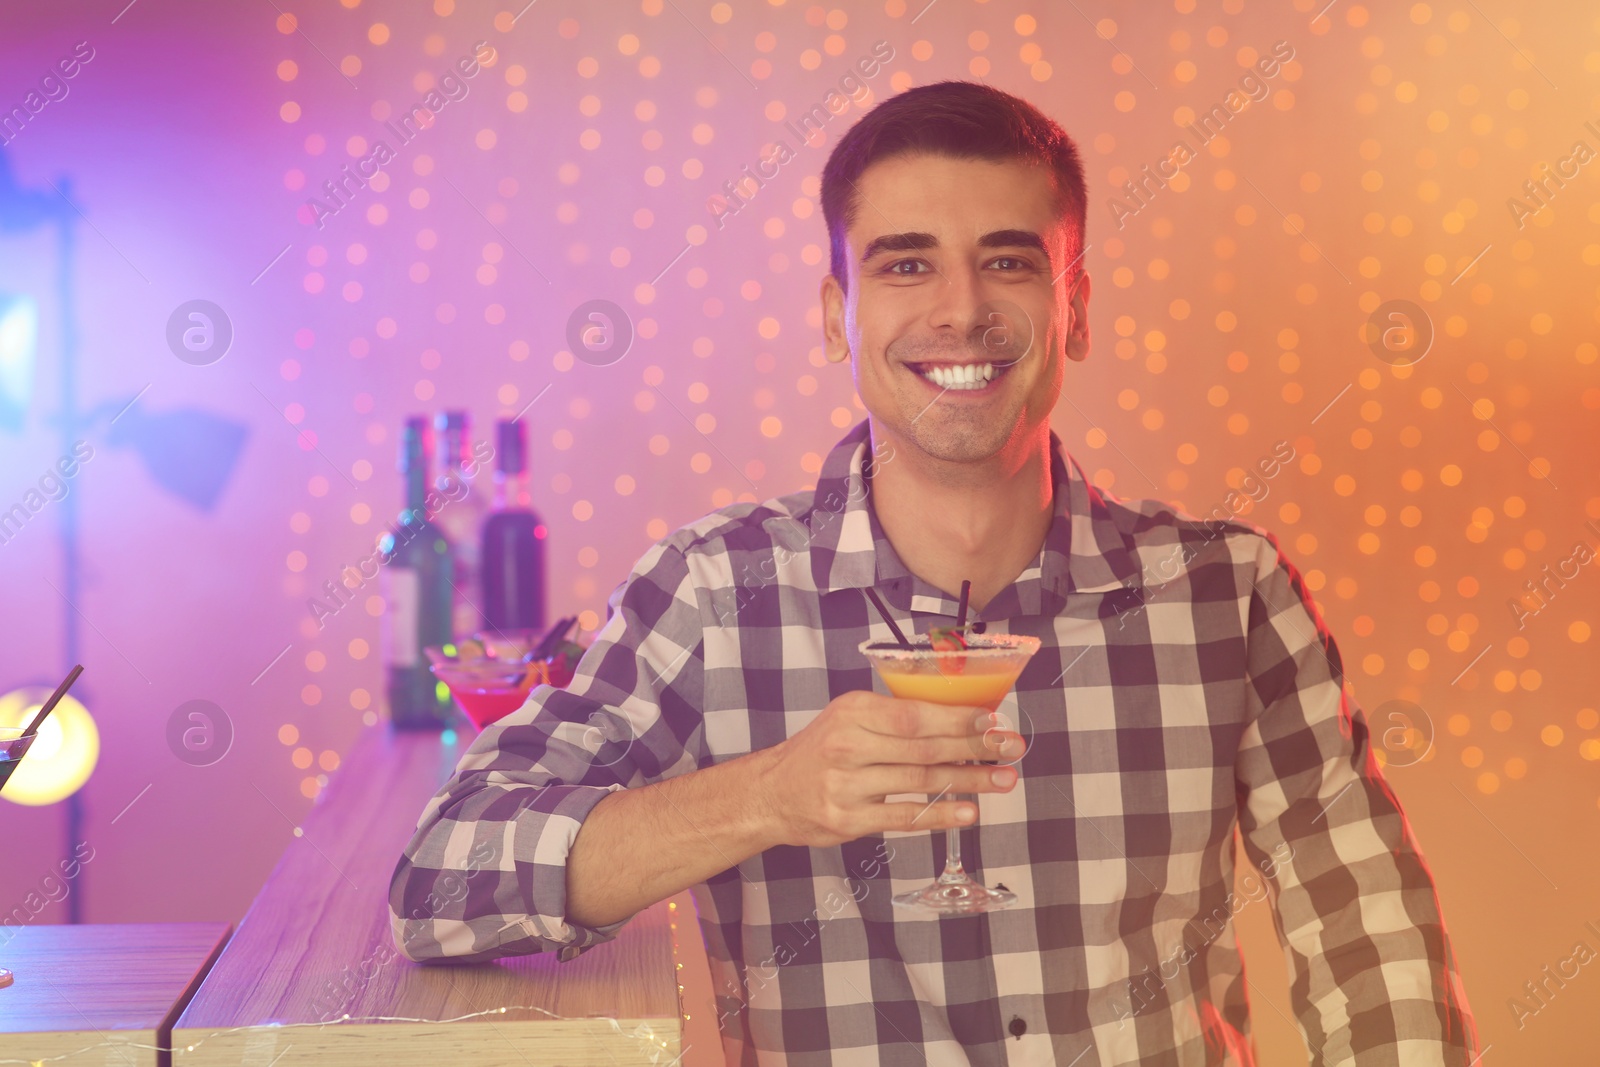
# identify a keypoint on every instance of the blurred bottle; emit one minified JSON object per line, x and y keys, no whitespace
{"x":513,"y":540}
{"x":418,"y":599}
{"x":462,"y":511}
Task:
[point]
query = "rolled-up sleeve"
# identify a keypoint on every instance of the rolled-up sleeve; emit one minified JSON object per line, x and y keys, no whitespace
{"x":1373,"y":977}
{"x":484,"y":876}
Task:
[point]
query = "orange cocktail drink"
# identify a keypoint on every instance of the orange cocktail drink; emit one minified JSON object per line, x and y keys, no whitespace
{"x":981,"y":686}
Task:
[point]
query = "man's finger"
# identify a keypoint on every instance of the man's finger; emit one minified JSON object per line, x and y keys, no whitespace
{"x":996,"y":745}
{"x":939,"y":815}
{"x":922,"y":718}
{"x":938,"y":780}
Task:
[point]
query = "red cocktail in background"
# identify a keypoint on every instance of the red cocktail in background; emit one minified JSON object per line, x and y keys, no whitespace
{"x":491,"y":674}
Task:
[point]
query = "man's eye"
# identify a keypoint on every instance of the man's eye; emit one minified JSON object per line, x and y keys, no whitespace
{"x":894,"y":268}
{"x":1017,"y":263}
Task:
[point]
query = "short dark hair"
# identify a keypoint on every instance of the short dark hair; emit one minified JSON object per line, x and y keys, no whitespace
{"x":963,"y":120}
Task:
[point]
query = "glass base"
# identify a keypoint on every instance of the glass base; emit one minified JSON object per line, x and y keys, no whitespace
{"x":955,"y":897}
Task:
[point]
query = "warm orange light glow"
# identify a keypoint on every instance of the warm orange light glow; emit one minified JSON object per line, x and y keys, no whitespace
{"x":63,"y":755}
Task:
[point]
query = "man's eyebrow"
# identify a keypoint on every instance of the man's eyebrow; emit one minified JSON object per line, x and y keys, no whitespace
{"x":1014,"y":239}
{"x":899,"y":242}
{"x":916,"y":241}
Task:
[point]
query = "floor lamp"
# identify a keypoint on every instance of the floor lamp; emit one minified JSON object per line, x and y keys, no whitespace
{"x":22,"y":211}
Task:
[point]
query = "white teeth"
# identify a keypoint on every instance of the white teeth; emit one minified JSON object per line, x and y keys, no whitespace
{"x":968,"y":376}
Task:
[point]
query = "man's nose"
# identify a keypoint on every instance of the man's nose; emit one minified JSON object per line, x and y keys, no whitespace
{"x":958,"y":297}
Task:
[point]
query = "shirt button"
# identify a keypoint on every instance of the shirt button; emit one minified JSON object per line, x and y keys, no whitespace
{"x":1017,"y":1027}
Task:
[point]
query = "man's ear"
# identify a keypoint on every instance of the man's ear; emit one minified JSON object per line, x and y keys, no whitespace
{"x":1077,"y":343}
{"x":835,"y":345}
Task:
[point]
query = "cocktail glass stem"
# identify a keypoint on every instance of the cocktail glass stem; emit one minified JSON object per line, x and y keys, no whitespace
{"x":954,"y":872}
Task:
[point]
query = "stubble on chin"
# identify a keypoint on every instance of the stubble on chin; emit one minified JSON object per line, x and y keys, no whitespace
{"x":924,"y":419}
{"x":944,"y":431}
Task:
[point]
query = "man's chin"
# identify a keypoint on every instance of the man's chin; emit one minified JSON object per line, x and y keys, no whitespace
{"x":955,"y":440}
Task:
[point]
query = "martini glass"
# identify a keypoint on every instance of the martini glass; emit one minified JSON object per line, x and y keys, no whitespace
{"x":13,"y":746}
{"x":490,"y":677}
{"x":979,"y":675}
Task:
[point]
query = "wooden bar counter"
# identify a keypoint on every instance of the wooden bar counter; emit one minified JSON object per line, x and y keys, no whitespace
{"x":312,"y":975}
{"x":101,"y":994}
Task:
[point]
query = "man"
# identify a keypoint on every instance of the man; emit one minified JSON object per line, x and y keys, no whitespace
{"x":723,"y":732}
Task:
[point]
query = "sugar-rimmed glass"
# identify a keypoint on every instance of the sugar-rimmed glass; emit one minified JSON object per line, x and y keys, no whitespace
{"x":979,"y":675}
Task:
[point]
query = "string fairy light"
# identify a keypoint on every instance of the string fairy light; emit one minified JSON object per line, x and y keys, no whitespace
{"x":643,"y":1032}
{"x":677,"y":963}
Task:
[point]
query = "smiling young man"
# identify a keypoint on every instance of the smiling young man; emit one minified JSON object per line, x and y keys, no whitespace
{"x":723,"y":732}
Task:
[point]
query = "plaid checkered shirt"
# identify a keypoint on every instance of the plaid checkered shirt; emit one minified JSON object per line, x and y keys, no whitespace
{"x":1187,"y":697}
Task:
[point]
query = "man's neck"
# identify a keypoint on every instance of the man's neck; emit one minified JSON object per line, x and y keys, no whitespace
{"x":950,"y":522}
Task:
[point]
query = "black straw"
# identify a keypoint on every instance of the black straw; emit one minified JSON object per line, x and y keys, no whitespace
{"x":961,"y":612}
{"x":894,"y":629}
{"x":554,"y":636}
{"x":55,"y":698}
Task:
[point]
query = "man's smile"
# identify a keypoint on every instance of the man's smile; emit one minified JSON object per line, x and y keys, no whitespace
{"x":978,"y":378}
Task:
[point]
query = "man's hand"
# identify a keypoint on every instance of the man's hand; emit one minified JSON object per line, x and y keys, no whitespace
{"x":821,"y":787}
{"x":827,"y":783}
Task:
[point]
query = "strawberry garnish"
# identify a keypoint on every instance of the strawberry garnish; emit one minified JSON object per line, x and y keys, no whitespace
{"x":949,"y":639}
{"x":563,"y":664}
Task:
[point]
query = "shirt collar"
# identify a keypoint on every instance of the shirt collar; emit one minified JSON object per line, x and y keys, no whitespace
{"x":1083,"y":551}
